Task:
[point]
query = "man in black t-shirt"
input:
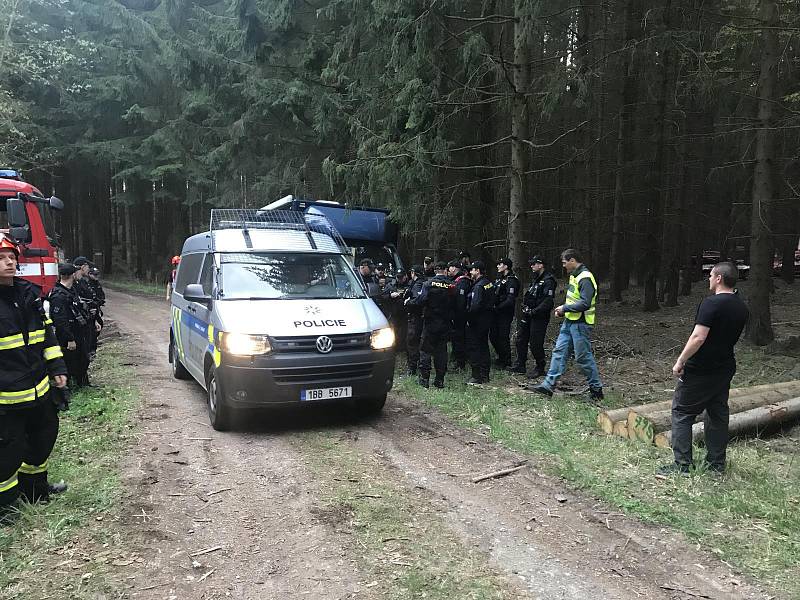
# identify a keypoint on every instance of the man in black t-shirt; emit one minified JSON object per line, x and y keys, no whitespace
{"x":704,"y":371}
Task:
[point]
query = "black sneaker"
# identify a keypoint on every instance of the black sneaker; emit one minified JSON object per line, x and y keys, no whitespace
{"x":517,"y":369}
{"x":541,"y":389}
{"x":438,"y":383}
{"x":673,"y":469}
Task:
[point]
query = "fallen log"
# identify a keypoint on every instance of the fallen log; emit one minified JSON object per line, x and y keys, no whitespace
{"x":615,"y":421}
{"x":751,"y":421}
{"x":645,"y":426}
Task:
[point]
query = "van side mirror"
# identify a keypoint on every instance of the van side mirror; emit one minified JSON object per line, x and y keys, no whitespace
{"x":21,"y":234}
{"x":17,"y":217}
{"x":194,"y":293}
{"x":56,"y":203}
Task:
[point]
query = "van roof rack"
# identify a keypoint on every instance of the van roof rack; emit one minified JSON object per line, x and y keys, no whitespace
{"x":247,"y":219}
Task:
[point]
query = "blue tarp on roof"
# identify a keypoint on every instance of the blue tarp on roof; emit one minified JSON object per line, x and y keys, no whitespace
{"x":355,"y":224}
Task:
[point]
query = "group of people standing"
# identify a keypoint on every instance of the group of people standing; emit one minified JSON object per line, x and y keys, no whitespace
{"x":458,"y":302}
{"x":39,"y":355}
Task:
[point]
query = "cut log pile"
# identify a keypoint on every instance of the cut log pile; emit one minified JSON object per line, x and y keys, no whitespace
{"x":753,"y":409}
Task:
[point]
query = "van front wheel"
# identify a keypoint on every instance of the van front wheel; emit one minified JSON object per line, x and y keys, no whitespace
{"x":370,"y":406}
{"x":219,"y":412}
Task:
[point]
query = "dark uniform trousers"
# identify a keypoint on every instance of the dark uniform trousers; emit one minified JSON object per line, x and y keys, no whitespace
{"x":413,"y":337}
{"x":478,"y":351}
{"x":433,"y":345}
{"x":27,"y":437}
{"x":694,"y":394}
{"x":500,"y":336}
{"x":533,"y":331}
{"x":457,"y":339}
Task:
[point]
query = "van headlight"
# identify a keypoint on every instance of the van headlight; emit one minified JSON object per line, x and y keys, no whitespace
{"x":243,"y":344}
{"x":382,"y":338}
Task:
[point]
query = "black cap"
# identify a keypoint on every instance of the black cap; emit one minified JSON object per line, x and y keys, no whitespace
{"x":401,"y":272}
{"x":455,"y":263}
{"x":535,"y":259}
{"x":463,"y":253}
{"x":380,"y":266}
{"x":478,"y":264}
{"x":427,"y":259}
{"x":66,"y":269}
{"x":418,"y":269}
{"x":80,"y":261}
{"x":506,"y":261}
{"x":94,"y":271}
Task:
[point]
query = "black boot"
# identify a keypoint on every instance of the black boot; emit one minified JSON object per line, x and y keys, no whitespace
{"x":423,"y":381}
{"x":539,"y":371}
{"x":438,"y":382}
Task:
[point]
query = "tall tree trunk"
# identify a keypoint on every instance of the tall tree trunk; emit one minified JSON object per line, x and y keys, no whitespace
{"x":759,"y":327}
{"x":519,"y":132}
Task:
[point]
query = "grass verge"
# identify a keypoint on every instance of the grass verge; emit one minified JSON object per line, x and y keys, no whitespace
{"x":401,"y":544}
{"x":62,"y":549}
{"x":136,"y":287}
{"x":750,"y":518}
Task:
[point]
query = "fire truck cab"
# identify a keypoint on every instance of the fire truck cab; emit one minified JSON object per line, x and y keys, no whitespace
{"x":28,"y":217}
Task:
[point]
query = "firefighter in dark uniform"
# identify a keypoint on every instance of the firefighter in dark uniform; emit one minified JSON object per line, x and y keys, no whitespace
{"x":70,"y":319}
{"x":537,"y":304}
{"x":438,"y":301}
{"x":29,"y":357}
{"x":90,"y":302}
{"x":506,"y":292}
{"x":413,"y":318}
{"x":480,"y":304}
{"x":399,"y":320}
{"x":463,"y":285}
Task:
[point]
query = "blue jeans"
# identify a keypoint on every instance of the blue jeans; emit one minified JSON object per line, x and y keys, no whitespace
{"x":574,"y":338}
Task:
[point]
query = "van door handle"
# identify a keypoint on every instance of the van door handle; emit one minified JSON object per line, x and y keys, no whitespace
{"x":191,"y":308}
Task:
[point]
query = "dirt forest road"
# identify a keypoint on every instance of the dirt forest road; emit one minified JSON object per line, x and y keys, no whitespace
{"x":317,"y":504}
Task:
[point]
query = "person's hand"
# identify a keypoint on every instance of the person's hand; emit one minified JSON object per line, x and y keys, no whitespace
{"x":677,"y":368}
{"x":559,"y":311}
{"x":72,"y":346}
{"x":60,"y":380}
{"x":97,"y":327}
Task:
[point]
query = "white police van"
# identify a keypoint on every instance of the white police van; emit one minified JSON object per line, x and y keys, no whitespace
{"x":266,"y":310}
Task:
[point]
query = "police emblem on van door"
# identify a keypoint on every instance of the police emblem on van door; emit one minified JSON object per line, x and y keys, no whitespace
{"x":324,"y":344}
{"x":312,"y":310}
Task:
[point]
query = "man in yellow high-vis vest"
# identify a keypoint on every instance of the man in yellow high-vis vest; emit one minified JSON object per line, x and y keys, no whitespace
{"x":574,"y":337}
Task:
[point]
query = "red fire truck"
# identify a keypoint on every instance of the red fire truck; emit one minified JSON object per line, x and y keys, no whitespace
{"x":29,"y":217}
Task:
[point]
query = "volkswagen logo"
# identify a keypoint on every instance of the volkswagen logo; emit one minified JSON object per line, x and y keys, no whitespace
{"x":324,"y":344}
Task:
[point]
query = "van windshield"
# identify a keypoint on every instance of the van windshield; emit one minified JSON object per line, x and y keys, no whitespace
{"x":276,"y":276}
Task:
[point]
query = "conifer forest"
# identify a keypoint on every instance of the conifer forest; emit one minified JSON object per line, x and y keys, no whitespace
{"x":642,"y":132}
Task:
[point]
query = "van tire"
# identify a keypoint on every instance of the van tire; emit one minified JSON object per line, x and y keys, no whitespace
{"x":367,"y":407}
{"x":178,"y":370}
{"x":219,"y":411}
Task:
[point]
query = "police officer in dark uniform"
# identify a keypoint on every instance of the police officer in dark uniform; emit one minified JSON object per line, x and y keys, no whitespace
{"x":428,"y":264}
{"x":365,"y":270}
{"x":414,"y":318}
{"x":537,"y":304}
{"x":480,"y":304}
{"x":70,"y":319}
{"x":398,"y":311}
{"x":506,"y":292}
{"x":438,"y":301}
{"x":463,"y":284}
{"x":90,"y":302}
{"x":465,"y":259}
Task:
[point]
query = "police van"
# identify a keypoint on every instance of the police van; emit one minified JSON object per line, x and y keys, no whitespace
{"x":267,"y":310}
